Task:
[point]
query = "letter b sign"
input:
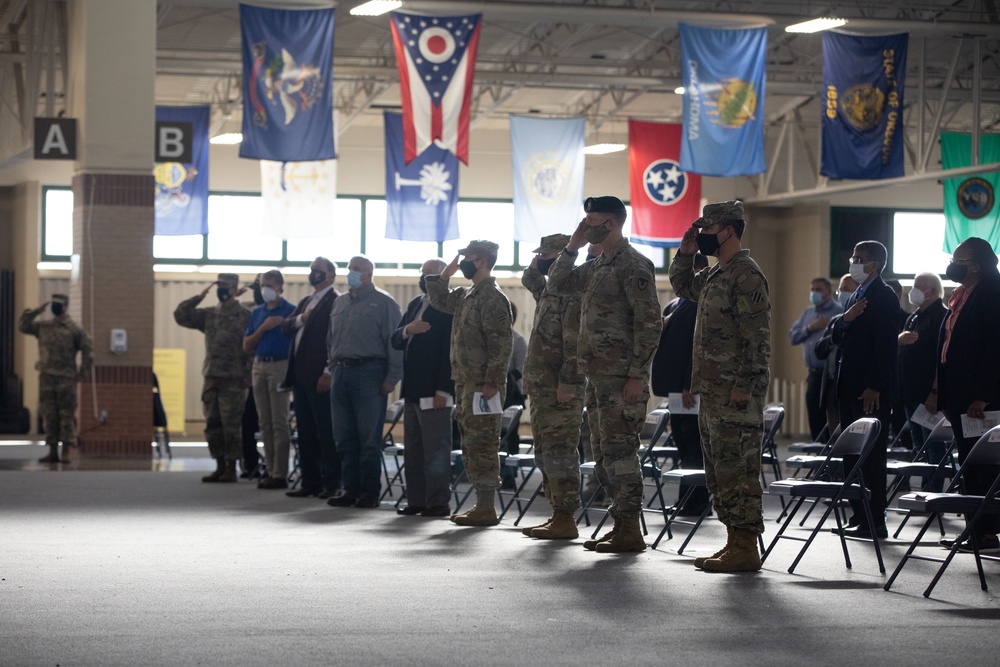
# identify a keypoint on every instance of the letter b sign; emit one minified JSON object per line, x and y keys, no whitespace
{"x":173,"y":142}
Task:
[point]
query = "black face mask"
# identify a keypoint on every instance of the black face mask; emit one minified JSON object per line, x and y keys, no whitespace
{"x":708,"y":244}
{"x":317,"y":277}
{"x":423,"y":284}
{"x":545,"y":264}
{"x":957,"y":272}
{"x":224,"y":294}
{"x":58,"y":309}
{"x":468,"y":268}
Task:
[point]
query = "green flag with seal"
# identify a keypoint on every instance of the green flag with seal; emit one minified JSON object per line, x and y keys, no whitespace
{"x":970,"y":205}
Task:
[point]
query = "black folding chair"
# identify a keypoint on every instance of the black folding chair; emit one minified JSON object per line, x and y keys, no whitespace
{"x":986,"y":452}
{"x":394,"y":449}
{"x":902,"y":471}
{"x":858,"y":440}
{"x":774,"y":415}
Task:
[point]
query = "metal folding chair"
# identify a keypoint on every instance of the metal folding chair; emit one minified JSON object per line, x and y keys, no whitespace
{"x":902,"y":471}
{"x":395,"y":449}
{"x":774,"y":415}
{"x":858,"y":439}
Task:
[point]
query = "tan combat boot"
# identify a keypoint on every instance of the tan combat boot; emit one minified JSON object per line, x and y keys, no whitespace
{"x":700,"y":561}
{"x":629,"y":538}
{"x":65,"y":453}
{"x":591,"y":545}
{"x":562,"y":526}
{"x":229,"y":475}
{"x":742,"y":556}
{"x":527,"y":530}
{"x":483,"y":514}
{"x":52,"y":456}
{"x":220,"y":465}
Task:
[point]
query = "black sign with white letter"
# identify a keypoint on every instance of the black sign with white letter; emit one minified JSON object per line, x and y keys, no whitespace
{"x":174,"y":141}
{"x":55,"y":138}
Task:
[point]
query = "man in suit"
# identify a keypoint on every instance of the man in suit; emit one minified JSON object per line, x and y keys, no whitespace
{"x":866,"y":379}
{"x":310,"y":382}
{"x":424,"y":336}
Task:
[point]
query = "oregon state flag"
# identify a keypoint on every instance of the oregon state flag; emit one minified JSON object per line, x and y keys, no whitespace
{"x":970,"y":205}
{"x":863,"y":106}
{"x":665,"y":198}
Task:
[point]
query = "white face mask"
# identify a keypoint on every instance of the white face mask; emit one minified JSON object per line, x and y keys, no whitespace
{"x":859,"y":274}
{"x":268,"y":294}
{"x":916,"y":297}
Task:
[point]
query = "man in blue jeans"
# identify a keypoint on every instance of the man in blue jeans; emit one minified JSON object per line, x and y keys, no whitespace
{"x":365,"y":369}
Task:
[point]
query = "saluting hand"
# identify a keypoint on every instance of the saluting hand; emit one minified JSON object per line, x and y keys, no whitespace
{"x":578,"y":239}
{"x":208,"y":289}
{"x":450,"y":270}
{"x":689,"y":245}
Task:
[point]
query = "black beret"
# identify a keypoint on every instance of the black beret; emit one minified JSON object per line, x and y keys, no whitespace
{"x":606,"y":204}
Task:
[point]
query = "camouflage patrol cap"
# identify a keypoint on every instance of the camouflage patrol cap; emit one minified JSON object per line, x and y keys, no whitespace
{"x":59,"y":298}
{"x":722,"y":211}
{"x":230,"y":278}
{"x":552,"y":243}
{"x":606,"y":204}
{"x":488,"y":248}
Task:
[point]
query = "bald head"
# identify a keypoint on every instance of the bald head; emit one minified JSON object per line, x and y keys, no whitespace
{"x":433,"y":267}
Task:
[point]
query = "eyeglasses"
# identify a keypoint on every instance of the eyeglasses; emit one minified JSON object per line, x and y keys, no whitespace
{"x":858,"y":260}
{"x":961,"y":260}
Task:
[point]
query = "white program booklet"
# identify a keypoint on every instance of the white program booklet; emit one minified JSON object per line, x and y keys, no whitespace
{"x":483,"y":406}
{"x":973,"y":428}
{"x":922,"y":417}
{"x":428,"y":403}
{"x":675,"y":404}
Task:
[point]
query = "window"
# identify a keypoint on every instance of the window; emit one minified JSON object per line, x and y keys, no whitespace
{"x":234,"y":230}
{"x":917,"y":243}
{"x":57,"y":211}
{"x":381,"y":250}
{"x":341,"y":246}
{"x":491,"y":221}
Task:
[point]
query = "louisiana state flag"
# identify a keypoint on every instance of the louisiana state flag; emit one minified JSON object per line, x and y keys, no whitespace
{"x":863,"y":106}
{"x":287,"y":84}
{"x":665,"y":198}
{"x":723,"y":75}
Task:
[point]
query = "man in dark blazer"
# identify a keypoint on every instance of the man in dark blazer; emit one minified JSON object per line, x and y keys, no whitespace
{"x":866,"y":379}
{"x":424,"y":335}
{"x":968,"y":376}
{"x":310,"y":382}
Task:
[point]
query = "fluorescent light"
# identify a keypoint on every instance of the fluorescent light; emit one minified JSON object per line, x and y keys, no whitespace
{"x":816,"y":25}
{"x":679,"y":90}
{"x":376,"y":7}
{"x":227,"y":139}
{"x":603,"y":149}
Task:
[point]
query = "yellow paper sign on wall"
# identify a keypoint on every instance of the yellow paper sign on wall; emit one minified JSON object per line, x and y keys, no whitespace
{"x":169,"y":366}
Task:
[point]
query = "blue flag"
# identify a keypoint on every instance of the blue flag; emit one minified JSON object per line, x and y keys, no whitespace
{"x":181,"y":199}
{"x":287,"y":84}
{"x":422,"y":197}
{"x":863,"y":106}
{"x":548,"y":174}
{"x":723,"y":74}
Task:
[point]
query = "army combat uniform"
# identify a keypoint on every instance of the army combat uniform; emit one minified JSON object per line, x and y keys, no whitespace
{"x":551,"y":366}
{"x":59,"y":341}
{"x":481,"y":344}
{"x":226,"y":371}
{"x":619,"y":332}
{"x":732,"y":349}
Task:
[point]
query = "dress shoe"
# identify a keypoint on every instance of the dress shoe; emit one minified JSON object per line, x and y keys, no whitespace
{"x":342,"y":500}
{"x":853,"y":522}
{"x":303,"y":493}
{"x":366,"y":501}
{"x":326,"y":494}
{"x":988,"y":544}
{"x":865,"y":533}
{"x":272,"y":483}
{"x":436,"y":510}
{"x":409,"y":510}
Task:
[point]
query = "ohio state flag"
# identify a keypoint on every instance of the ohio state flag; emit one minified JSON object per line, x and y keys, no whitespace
{"x":436,"y":58}
{"x":665,"y":199}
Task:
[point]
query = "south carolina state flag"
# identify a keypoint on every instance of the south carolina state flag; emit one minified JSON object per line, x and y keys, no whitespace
{"x":436,"y":57}
{"x":665,"y":199}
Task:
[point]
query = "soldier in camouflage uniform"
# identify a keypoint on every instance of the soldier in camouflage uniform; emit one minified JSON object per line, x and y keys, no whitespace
{"x":553,"y":380}
{"x":59,"y":341}
{"x":732,"y":348}
{"x":619,"y":332}
{"x":226,"y":370}
{"x":480,"y":353}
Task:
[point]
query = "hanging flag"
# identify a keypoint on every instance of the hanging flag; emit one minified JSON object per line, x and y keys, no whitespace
{"x":723,"y":75}
{"x":287,"y":84}
{"x":665,"y":199}
{"x":181,"y":199}
{"x":298,"y":198}
{"x":548,"y":174}
{"x":863,"y":107}
{"x":422,"y":196}
{"x":436,"y":57}
{"x":970,"y":206}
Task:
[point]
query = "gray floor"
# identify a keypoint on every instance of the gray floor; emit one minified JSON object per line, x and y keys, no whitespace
{"x":152,"y":567}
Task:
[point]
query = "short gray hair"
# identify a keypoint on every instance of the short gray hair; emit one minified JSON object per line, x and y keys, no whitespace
{"x":364,"y":261}
{"x":932,"y":279}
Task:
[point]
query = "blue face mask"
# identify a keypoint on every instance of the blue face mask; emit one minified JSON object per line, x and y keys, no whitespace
{"x":844,"y":297}
{"x":816,"y":298}
{"x":354,"y":279}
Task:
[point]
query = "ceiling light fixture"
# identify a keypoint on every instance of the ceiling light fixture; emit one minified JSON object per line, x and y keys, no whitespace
{"x":816,"y":25}
{"x":603,"y":149}
{"x":227,"y":139}
{"x":376,"y":7}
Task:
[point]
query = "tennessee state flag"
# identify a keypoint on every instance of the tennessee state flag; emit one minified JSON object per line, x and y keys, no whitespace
{"x":436,"y":57}
{"x":665,"y":199}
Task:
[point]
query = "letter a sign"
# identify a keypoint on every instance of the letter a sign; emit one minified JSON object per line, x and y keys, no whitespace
{"x":55,"y":138}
